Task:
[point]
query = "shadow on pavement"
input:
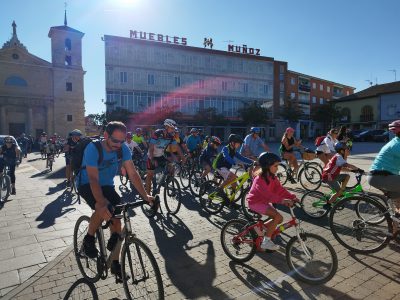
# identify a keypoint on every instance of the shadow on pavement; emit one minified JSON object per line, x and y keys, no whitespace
{"x":56,"y":209}
{"x":192,"y":279}
{"x":82,"y":289}
{"x":57,"y":188}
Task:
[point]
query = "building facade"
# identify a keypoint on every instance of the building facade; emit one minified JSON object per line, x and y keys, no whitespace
{"x":151,"y":74}
{"x":372,"y":108}
{"x":37,"y":95}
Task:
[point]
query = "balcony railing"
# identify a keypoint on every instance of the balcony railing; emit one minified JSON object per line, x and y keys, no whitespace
{"x":366,"y":118}
{"x":304,"y":88}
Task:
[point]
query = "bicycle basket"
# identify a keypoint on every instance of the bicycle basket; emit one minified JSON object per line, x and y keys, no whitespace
{"x":308,"y":155}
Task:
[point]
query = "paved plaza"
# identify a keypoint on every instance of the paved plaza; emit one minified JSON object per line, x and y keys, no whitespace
{"x":37,"y":261}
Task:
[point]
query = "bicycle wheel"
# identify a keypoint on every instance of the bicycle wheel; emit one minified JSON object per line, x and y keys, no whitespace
{"x":359,"y":230}
{"x":239,"y":248}
{"x":362,"y":206}
{"x":310,"y":178}
{"x":5,"y":188}
{"x":140,"y":273}
{"x":311,"y":259}
{"x":313,"y":203}
{"x":172,"y":195}
{"x":282,"y":174}
{"x":123,"y":179}
{"x":195,"y":182}
{"x":209,"y":199}
{"x":87,"y":266}
{"x":183,"y":176}
{"x":81,"y":289}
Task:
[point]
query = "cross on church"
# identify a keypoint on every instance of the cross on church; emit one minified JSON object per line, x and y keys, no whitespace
{"x":14,"y":28}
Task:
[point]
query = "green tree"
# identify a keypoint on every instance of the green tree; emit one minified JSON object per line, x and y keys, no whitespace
{"x":253,"y":113}
{"x":119,"y":114}
{"x":291,"y":112}
{"x":326,"y":114}
{"x":100,"y":120}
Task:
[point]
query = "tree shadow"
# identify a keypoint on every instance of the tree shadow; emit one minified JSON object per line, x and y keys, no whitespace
{"x":56,"y":209}
{"x":172,"y":237}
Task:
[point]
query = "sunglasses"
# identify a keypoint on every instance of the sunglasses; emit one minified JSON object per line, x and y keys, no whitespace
{"x":115,"y":141}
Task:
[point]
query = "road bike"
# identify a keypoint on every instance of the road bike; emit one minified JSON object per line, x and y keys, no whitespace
{"x":50,"y":160}
{"x":5,"y":183}
{"x":141,"y":275}
{"x":308,"y":174}
{"x":363,"y":224}
{"x":213,"y":199}
{"x":310,"y":257}
{"x":314,"y":203}
{"x":140,"y":167}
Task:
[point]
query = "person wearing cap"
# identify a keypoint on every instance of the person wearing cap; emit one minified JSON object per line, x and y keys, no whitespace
{"x":73,"y":138}
{"x":288,"y":143}
{"x":326,"y":150}
{"x":10,"y":154}
{"x":132,"y":145}
{"x":253,"y":145}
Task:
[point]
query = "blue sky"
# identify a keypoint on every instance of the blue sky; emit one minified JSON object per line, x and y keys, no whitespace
{"x":343,"y":41}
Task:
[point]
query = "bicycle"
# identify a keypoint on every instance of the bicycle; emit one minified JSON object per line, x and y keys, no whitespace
{"x":50,"y":160}
{"x":5,"y":183}
{"x":139,"y":164}
{"x":309,"y":173}
{"x":313,"y":202}
{"x":310,"y":257}
{"x":213,"y":202}
{"x":140,"y":272}
{"x":362,"y":224}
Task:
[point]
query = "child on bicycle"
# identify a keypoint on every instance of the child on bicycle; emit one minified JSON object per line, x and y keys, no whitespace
{"x":265,"y":190}
{"x":208,"y":154}
{"x":225,"y":160}
{"x":331,"y":172}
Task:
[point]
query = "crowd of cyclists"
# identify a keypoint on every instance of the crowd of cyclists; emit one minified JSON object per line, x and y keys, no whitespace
{"x":116,"y":151}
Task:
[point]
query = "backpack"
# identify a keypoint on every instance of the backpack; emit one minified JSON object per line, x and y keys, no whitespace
{"x":79,"y":149}
{"x":319,"y":140}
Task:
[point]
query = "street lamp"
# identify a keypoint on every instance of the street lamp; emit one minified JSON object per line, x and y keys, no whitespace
{"x":394,"y":71}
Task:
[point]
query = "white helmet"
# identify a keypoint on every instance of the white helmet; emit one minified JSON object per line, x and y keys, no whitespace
{"x":170,"y":123}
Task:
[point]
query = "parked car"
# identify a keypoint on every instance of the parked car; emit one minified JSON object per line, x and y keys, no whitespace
{"x":367,"y":135}
{"x":384,"y":137}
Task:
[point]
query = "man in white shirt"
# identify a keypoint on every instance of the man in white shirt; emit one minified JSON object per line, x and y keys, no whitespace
{"x":132,"y":145}
{"x":326,"y":150}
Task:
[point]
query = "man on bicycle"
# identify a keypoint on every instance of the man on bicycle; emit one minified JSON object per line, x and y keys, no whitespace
{"x":253,"y":145}
{"x":171,"y":152}
{"x":43,"y":142}
{"x":139,"y":139}
{"x":193,"y":143}
{"x":96,"y":186}
{"x":208,"y":155}
{"x":73,"y":139}
{"x":385,"y":170}
{"x":10,"y":154}
{"x":133,"y":146}
{"x":157,"y":145}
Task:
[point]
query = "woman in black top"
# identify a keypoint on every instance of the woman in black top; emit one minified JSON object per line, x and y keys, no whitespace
{"x":10,"y":154}
{"x":288,"y":142}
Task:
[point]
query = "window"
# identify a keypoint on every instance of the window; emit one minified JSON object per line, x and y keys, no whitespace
{"x":367,"y":114}
{"x":67,"y":44}
{"x":281,"y":77}
{"x":69,"y":118}
{"x":109,"y":75}
{"x":68,"y":86}
{"x":177,"y":81}
{"x":321,"y":100}
{"x":321,"y":87}
{"x":328,"y":89}
{"x":292,"y":81}
{"x":347,"y":93}
{"x":314,"y":99}
{"x":150,"y":79}
{"x":265,"y":89}
{"x":123,"y":77}
{"x":281,"y":69}
{"x":281,"y":86}
{"x":345,"y":115}
{"x":224,"y":85}
{"x":314,"y":85}
{"x":68,"y":60}
{"x":292,"y":95}
{"x":245,"y":87}
{"x":201,"y":84}
{"x":16,"y":81}
{"x":271,"y":131}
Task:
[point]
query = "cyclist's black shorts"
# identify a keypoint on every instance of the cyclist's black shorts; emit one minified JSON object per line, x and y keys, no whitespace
{"x":108,"y":191}
{"x":161,"y":162}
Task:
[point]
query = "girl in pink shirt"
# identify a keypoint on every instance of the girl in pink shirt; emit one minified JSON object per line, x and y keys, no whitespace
{"x":265,"y":190}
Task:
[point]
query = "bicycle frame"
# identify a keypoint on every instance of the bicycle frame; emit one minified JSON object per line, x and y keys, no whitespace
{"x":241,"y":179}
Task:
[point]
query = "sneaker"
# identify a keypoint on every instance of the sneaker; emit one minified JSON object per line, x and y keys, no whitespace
{"x":267,"y":244}
{"x":116,"y":270}
{"x":89,"y":246}
{"x":112,"y":241}
{"x":13,"y":191}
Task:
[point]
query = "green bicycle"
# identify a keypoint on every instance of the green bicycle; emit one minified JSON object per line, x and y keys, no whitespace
{"x":313,"y":202}
{"x":213,"y":202}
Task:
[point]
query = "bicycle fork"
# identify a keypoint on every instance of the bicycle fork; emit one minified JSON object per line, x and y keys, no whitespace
{"x":303,"y":244}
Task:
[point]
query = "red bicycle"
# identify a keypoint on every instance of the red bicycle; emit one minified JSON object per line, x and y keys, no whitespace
{"x":310,"y":257}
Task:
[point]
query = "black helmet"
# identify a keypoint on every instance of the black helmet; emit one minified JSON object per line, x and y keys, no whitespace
{"x":235,"y":139}
{"x":267,"y":159}
{"x":159,"y":133}
{"x":340,"y":146}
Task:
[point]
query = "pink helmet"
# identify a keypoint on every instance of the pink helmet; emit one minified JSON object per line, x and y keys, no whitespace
{"x":395,"y":127}
{"x":289,"y":129}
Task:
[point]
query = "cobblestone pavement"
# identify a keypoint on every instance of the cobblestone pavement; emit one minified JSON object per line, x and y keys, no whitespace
{"x":188,"y":252}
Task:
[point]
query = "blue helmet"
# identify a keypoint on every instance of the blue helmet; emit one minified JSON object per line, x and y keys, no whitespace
{"x":193,"y":130}
{"x":255,"y":129}
{"x":340,"y":146}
